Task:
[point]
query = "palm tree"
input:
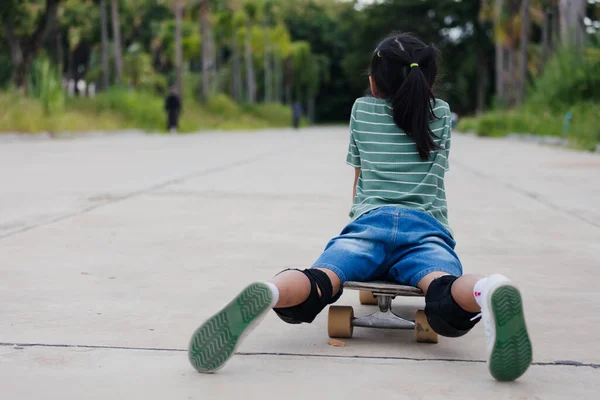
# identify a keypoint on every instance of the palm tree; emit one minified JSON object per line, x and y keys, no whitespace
{"x":117,"y":40}
{"x":525,"y":21}
{"x":178,"y":48}
{"x":250,"y":14}
{"x":236,"y":22}
{"x":572,"y":13}
{"x":104,"y":35}
{"x":23,"y":49}
{"x":267,"y":10}
{"x":206,"y":57}
{"x":505,"y":14}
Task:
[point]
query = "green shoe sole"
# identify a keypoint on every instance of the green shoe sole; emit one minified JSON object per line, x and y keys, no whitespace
{"x":512,"y":352}
{"x":215,"y":341}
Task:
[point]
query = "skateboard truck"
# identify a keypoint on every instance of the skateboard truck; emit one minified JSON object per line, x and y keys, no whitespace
{"x":341,"y":319}
{"x":384,"y":317}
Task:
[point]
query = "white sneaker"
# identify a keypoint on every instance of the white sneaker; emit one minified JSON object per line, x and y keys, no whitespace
{"x":216,"y":340}
{"x":509,"y":346}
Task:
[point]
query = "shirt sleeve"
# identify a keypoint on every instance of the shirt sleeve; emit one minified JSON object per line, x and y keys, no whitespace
{"x":353,"y":156}
{"x":447,"y":138}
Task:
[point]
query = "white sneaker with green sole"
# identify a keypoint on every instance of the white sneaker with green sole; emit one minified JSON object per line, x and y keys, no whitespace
{"x":509,"y":345}
{"x":217,"y":339}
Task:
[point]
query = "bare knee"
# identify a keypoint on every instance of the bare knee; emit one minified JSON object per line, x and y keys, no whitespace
{"x":425,"y":282}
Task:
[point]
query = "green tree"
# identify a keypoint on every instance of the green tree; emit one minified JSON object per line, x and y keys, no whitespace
{"x":105,"y":50}
{"x":118,"y":47}
{"x":250,"y":14}
{"x":27,"y":24}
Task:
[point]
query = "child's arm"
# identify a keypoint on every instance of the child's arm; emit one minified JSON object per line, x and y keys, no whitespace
{"x":356,"y":175}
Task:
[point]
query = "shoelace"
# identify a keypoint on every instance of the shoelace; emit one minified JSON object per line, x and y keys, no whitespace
{"x":477,"y":316}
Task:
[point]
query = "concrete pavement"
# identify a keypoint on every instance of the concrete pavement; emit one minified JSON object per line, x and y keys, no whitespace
{"x":114,"y":248}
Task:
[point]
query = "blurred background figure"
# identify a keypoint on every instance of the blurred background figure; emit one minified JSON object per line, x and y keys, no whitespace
{"x":296,"y":114}
{"x":173,"y":109}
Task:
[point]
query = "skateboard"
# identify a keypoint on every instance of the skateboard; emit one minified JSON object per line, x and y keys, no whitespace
{"x":341,"y":319}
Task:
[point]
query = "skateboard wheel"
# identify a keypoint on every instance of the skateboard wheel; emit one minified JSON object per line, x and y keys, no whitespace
{"x":339,"y":324}
{"x":423,"y":332}
{"x":367,"y":298}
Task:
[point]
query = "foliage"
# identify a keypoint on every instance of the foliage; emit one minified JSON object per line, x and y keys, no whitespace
{"x":45,"y":84}
{"x":5,"y":71}
{"x":120,"y":109}
{"x":314,"y":49}
{"x":583,"y":132}
{"x":570,"y":84}
{"x":569,"y":78}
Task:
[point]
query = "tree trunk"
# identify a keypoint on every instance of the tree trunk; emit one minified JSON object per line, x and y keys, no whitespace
{"x":572,"y":13}
{"x":289,"y":80}
{"x":267,"y":67}
{"x":556,"y":28}
{"x":117,"y":40}
{"x":214,"y":64}
{"x":310,"y":108}
{"x":60,"y":55}
{"x":482,"y":84}
{"x":500,"y":93}
{"x":510,"y":86}
{"x":288,"y":94}
{"x":178,"y":49}
{"x":251,"y":80}
{"x":104,"y":36}
{"x":70,"y":65}
{"x":545,"y":37}
{"x":24,"y":50}
{"x":237,"y":68}
{"x":278,"y":79}
{"x":525,"y":21}
{"x":205,"y":32}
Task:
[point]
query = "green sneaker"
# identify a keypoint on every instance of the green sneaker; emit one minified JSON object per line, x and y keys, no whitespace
{"x":216,"y":340}
{"x":509,"y":346}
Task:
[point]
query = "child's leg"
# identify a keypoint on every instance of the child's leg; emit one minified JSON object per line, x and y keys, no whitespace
{"x":455,"y":303}
{"x":462,"y":289}
{"x":450,"y":306}
{"x":295,"y":287}
{"x":296,"y":296}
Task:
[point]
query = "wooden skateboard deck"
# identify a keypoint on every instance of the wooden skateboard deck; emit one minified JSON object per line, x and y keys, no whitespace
{"x":384,"y":287}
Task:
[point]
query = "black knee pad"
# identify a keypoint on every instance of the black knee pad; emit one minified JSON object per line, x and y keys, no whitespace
{"x":444,"y":315}
{"x":314,"y":304}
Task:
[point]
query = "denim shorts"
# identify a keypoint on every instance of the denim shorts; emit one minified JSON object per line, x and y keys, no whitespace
{"x":391,"y":243}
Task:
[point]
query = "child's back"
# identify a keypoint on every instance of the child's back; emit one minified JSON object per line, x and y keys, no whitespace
{"x":391,"y":170}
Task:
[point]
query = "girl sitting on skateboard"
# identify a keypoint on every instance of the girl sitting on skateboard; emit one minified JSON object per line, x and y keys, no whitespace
{"x":399,"y":144}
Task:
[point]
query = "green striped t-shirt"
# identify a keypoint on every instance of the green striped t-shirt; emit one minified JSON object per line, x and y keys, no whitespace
{"x":391,"y":171}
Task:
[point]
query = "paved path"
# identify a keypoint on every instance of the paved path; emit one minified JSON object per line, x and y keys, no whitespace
{"x":114,"y":248}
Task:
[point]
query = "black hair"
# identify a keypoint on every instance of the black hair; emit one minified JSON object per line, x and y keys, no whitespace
{"x":408,"y":88}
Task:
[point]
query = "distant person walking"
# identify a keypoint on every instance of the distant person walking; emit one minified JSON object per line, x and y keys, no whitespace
{"x":173,"y":109}
{"x":297,"y":114}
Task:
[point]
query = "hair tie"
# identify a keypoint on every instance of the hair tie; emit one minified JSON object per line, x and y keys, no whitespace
{"x":379,"y":53}
{"x":414,"y":65}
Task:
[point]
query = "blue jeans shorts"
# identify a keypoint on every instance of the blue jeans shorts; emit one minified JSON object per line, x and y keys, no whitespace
{"x":391,"y":243}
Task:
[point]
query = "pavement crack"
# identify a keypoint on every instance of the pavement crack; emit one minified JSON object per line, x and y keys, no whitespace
{"x":532,"y":195}
{"x":563,"y":363}
{"x":139,"y":192}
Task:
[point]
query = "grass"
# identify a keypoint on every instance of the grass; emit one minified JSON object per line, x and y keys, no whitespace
{"x":123,"y":109}
{"x":570,"y":84}
{"x":25,"y":115}
{"x":583,"y":132}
